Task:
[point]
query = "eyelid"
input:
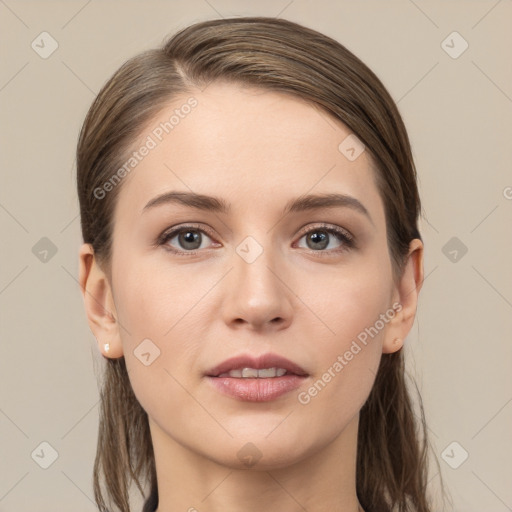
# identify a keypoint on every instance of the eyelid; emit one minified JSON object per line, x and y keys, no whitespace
{"x":327,"y":227}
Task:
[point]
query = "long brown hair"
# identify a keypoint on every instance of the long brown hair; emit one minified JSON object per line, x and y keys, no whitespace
{"x":275,"y":54}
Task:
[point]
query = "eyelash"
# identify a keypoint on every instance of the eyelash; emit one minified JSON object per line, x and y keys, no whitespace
{"x":341,"y":234}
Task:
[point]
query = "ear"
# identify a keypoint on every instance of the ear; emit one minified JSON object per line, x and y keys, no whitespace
{"x":99,"y":303}
{"x":405,"y":299}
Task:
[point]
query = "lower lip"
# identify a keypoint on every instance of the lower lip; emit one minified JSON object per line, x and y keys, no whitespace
{"x":256,"y":390}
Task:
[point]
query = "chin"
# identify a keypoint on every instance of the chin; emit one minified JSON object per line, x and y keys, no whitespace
{"x":261,"y":454}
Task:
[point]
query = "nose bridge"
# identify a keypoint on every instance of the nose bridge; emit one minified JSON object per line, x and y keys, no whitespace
{"x":254,"y":261}
{"x":257,"y":293}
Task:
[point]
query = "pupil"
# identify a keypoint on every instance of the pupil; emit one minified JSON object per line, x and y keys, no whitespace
{"x":319,"y":237}
{"x":190,"y":237}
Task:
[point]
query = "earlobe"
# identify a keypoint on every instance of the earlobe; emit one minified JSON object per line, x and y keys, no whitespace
{"x":99,"y":303}
{"x":406,"y":296}
{"x":396,"y":344}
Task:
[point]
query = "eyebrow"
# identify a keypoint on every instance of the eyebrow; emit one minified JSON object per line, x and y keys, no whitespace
{"x":302,"y":203}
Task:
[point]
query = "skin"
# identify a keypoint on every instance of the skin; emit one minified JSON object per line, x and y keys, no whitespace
{"x":257,"y":150}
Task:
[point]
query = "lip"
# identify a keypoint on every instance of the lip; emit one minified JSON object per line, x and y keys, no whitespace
{"x":268,"y":360}
{"x":257,"y":389}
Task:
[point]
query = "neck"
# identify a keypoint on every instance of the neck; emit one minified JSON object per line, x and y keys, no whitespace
{"x":322,"y":480}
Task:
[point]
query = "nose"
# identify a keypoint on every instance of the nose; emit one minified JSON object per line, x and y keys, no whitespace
{"x":257,"y":295}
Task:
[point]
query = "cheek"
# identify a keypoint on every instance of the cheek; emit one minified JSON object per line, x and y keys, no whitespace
{"x":153,"y":301}
{"x":349,"y":337}
{"x":350,"y":300}
{"x":161,"y":304}
{"x":153,"y":305}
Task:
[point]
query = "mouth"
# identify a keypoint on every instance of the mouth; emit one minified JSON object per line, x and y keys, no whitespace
{"x":266,"y":366}
{"x":259,"y":379}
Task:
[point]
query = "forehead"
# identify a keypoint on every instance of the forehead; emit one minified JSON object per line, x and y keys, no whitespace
{"x":245,"y":143}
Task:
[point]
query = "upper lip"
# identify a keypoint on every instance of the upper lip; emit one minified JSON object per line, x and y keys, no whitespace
{"x":259,"y":362}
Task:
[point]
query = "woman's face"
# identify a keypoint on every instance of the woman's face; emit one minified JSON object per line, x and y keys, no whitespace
{"x":252,"y":279}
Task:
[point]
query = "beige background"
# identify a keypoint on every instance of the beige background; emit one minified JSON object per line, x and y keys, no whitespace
{"x":458,"y":113}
